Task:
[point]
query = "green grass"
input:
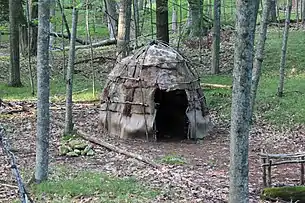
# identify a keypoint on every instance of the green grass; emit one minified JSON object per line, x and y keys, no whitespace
{"x":287,"y":110}
{"x":172,"y":159}
{"x":82,"y":90}
{"x":64,"y":186}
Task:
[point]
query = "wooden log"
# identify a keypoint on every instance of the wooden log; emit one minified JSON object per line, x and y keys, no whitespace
{"x":54,"y":34}
{"x":208,"y":85}
{"x":264,"y":171}
{"x":302,"y":172}
{"x":106,"y":145}
{"x":289,"y":194}
{"x":106,"y":42}
{"x":298,"y":161}
{"x":269,"y":173}
{"x":282,"y":156}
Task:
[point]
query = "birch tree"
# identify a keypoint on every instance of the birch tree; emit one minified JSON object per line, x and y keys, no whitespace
{"x":69,"y":77}
{"x":124,"y":28}
{"x":14,"y":79}
{"x":246,"y":14}
{"x":259,"y":54}
{"x":43,"y":91}
{"x":284,"y":49}
{"x":216,"y":37}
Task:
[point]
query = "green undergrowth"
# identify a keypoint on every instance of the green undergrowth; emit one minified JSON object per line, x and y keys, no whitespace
{"x":289,"y":193}
{"x":172,"y":159}
{"x":65,"y":186}
{"x":285,"y":111}
{"x":82,"y":90}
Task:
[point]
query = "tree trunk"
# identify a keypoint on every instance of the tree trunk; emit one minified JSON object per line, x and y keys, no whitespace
{"x":52,"y":24}
{"x":189,"y":17}
{"x":140,"y":5}
{"x":284,"y":49}
{"x":124,"y":28}
{"x":174,"y":19}
{"x":259,"y":54}
{"x":14,"y":45}
{"x":69,"y":77}
{"x":43,"y":91}
{"x":303,"y":12}
{"x":273,"y":11}
{"x":216,"y":37}
{"x":52,"y":29}
{"x":297,"y":12}
{"x":246,"y":14}
{"x":162,"y":20}
{"x":136,"y":18}
{"x":196,"y":10}
{"x":112,"y":18}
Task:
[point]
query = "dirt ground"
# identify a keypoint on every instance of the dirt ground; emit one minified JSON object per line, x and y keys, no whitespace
{"x":204,"y":178}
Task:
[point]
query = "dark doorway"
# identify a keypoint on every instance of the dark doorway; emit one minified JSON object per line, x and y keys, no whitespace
{"x":171,"y":121}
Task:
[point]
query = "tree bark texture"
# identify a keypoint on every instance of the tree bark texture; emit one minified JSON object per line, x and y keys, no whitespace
{"x":303,"y":12}
{"x":162,"y":20}
{"x":216,"y":37}
{"x":69,"y":77}
{"x":284,"y":49}
{"x":124,"y":28}
{"x":174,"y":19}
{"x":246,"y":13}
{"x":112,"y":18}
{"x":43,"y":91}
{"x":259,"y":54}
{"x":273,"y":10}
{"x":196,"y":10}
{"x":14,"y":79}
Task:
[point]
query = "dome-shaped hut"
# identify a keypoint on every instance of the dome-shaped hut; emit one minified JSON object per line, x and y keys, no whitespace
{"x":154,"y":94}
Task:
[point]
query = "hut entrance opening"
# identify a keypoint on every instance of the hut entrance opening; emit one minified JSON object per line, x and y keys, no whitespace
{"x":171,"y":122}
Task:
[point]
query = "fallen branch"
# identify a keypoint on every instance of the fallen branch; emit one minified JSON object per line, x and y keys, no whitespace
{"x":106,"y":145}
{"x":106,"y":42}
{"x":54,"y":34}
{"x":8,"y":185}
{"x":207,"y":85}
{"x":100,"y":57}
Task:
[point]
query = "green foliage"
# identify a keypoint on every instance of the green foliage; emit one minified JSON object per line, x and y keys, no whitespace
{"x":82,"y":89}
{"x":280,"y":111}
{"x":291,"y":194}
{"x":63,"y":186}
{"x":173,"y":160}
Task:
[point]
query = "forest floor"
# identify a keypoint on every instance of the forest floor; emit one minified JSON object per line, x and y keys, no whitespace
{"x":191,"y":172}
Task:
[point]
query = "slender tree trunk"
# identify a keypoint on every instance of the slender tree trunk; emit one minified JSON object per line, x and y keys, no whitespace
{"x":162,"y":20}
{"x":112,"y":18}
{"x":259,"y":54}
{"x":29,"y":46}
{"x":273,"y":10}
{"x":91,"y":49}
{"x":189,"y":17}
{"x":246,"y":14}
{"x":303,"y":12}
{"x":63,"y":16}
{"x":297,"y":12}
{"x":174,"y":18}
{"x":43,"y":91}
{"x":196,"y":10}
{"x":52,"y":29}
{"x":284,"y":49}
{"x":124,"y":28}
{"x":34,"y":32}
{"x":136,"y":20}
{"x":216,"y":37}
{"x":69,"y":77}
{"x":14,"y":80}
